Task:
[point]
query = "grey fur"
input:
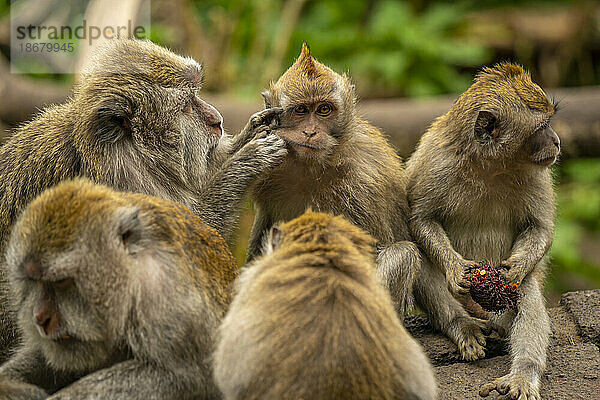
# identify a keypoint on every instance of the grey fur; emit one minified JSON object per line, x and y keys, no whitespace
{"x":484,"y":193}
{"x":141,"y":314}
{"x":126,"y":126}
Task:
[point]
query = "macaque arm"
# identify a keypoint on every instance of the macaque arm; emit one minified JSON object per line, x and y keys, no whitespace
{"x":529,"y":248}
{"x":240,"y":140}
{"x":433,"y":240}
{"x":28,"y":366}
{"x":264,"y":120}
{"x":128,"y":380}
{"x":221,"y":198}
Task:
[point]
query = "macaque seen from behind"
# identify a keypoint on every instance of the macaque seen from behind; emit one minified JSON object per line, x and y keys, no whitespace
{"x":310,"y":321}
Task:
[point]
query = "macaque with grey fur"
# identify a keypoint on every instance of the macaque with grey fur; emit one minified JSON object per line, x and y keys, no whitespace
{"x":338,"y":163}
{"x":310,"y":321}
{"x":136,"y":123}
{"x":480,"y":189}
{"x":119,"y":296}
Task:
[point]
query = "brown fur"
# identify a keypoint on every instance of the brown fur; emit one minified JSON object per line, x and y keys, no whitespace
{"x":480,"y":189}
{"x":309,"y":321}
{"x":350,"y":170}
{"x":150,"y":284}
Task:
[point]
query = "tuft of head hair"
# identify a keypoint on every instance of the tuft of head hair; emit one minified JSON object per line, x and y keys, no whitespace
{"x":503,"y":69}
{"x":309,"y":79}
{"x":520,"y":81}
{"x":306,"y":68}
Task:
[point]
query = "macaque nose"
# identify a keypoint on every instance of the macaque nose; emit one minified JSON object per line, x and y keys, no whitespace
{"x":555,"y":138}
{"x":556,"y":141}
{"x":212,"y":117}
{"x":46,"y":318}
{"x":309,"y":134}
{"x":32,"y":270}
{"x":216,"y":128}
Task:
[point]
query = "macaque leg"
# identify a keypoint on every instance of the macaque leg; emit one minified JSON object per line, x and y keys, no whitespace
{"x":397,"y":266}
{"x":260,"y":229}
{"x":529,"y":337}
{"x":446,"y":313}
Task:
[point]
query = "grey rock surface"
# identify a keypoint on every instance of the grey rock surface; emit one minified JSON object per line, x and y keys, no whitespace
{"x":573,"y":369}
{"x":584,"y":306}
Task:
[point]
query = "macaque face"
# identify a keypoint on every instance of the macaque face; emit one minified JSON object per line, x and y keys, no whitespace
{"x":150,"y":120}
{"x":309,"y":128}
{"x":69,"y":277}
{"x":58,"y":318}
{"x":527,"y":140}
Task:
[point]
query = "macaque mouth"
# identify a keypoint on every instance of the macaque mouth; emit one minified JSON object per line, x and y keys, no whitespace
{"x":57,"y":337}
{"x":545,"y":160}
{"x":305,"y":145}
{"x":217,"y":129}
{"x":64,"y":339}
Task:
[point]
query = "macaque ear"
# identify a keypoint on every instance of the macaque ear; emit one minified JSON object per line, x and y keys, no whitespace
{"x":113,"y":120}
{"x":486,"y":127}
{"x":266,"y":95}
{"x":275,"y":238}
{"x":129,"y":228}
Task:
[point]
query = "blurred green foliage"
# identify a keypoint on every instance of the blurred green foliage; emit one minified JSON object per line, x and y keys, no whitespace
{"x":391,"y":48}
{"x":575,"y":252}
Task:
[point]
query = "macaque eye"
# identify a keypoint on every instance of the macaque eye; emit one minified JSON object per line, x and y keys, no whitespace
{"x":63,"y":284}
{"x":301,"y":109}
{"x":324,"y":110}
{"x":543,"y":126}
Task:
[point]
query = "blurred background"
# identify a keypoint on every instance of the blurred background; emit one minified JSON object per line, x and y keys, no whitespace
{"x":409,"y":60}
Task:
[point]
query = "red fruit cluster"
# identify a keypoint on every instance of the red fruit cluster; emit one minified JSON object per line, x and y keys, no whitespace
{"x":491,"y":291}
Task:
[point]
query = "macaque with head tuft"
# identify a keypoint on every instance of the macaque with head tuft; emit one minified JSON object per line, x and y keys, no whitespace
{"x":480,"y":189}
{"x":310,"y":321}
{"x":337,"y":163}
{"x":118,"y":296}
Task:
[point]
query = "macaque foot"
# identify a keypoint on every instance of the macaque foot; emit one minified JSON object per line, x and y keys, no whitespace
{"x":470,"y":340}
{"x":514,"y":387}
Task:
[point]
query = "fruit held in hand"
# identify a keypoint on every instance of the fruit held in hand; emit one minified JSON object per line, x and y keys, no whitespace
{"x":491,"y":291}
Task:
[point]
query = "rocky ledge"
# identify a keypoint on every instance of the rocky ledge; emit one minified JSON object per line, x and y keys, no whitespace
{"x":573,"y":357}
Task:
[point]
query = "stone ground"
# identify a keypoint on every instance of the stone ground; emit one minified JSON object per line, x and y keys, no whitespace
{"x":573,"y":358}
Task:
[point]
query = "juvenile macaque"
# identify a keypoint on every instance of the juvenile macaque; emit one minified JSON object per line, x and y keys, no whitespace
{"x":310,"y":321}
{"x":480,"y":189}
{"x":336,"y":163}
{"x":119,"y":296}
